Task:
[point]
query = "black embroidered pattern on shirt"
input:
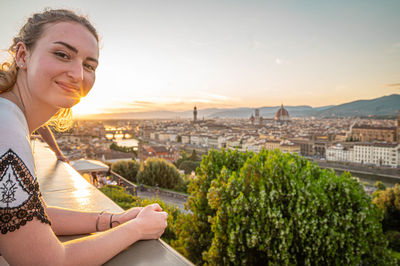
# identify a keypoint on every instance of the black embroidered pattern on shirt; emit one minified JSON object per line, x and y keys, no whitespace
{"x":20,"y":198}
{"x":8,"y":191}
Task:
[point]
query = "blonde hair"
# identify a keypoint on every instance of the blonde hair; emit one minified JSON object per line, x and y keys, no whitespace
{"x":29,"y":34}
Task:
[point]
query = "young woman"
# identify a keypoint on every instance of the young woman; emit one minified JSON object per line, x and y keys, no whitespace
{"x":54,"y":63}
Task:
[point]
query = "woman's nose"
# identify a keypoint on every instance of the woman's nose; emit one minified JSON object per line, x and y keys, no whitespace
{"x":76,"y":72}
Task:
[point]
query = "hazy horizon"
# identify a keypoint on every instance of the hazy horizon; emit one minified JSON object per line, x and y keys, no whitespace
{"x":172,"y":55}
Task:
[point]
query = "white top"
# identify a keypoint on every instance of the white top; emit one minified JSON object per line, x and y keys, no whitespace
{"x":20,"y":198}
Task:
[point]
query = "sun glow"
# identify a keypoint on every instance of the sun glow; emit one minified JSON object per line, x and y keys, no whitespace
{"x":87,"y":107}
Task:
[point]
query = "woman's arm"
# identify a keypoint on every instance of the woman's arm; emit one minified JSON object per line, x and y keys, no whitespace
{"x":48,"y":137}
{"x":73,"y":222}
{"x":36,"y":244}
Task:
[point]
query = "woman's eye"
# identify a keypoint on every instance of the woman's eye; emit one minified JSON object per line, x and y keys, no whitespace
{"x":62,"y":55}
{"x":90,"y":67}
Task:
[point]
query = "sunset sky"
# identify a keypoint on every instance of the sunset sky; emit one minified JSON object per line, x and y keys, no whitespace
{"x":172,"y":55}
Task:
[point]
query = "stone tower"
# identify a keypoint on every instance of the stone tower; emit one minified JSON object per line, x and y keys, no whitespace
{"x":195,"y":114}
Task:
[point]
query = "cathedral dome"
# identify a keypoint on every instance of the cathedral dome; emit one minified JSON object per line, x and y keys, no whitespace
{"x":282,"y":114}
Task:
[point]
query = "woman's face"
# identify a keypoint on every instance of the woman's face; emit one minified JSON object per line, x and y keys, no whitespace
{"x":61,"y":66}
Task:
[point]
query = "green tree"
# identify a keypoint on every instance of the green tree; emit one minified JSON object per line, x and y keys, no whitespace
{"x":127,"y":169}
{"x":157,"y":171}
{"x":194,"y":156}
{"x":182,"y":157}
{"x":195,"y":234}
{"x":388,"y":200}
{"x":279,"y":209}
{"x":189,"y":166}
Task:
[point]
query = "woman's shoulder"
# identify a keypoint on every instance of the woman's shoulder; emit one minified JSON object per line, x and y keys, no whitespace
{"x":11,"y":116}
{"x":15,"y":147}
{"x":14,"y":130}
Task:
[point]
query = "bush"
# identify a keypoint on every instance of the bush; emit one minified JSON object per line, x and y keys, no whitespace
{"x":189,"y":166}
{"x":280,"y":209}
{"x":394,"y":239}
{"x":127,"y":169}
{"x":389,"y":201}
{"x":157,"y":171}
{"x":195,"y":234}
{"x":183,"y":186}
{"x":379,"y":185}
{"x":127,"y":201}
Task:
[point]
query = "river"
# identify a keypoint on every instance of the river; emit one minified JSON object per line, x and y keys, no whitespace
{"x":372,"y":178}
{"x":127,"y":142}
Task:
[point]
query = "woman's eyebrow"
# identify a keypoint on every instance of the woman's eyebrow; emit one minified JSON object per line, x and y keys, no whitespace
{"x":70,"y":47}
{"x":92,"y":59}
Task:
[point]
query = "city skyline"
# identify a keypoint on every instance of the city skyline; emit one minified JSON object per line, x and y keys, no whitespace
{"x":159,"y":55}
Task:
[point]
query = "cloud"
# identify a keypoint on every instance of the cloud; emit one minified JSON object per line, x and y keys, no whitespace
{"x":202,"y":99}
{"x":393,"y":85}
{"x":143,"y":103}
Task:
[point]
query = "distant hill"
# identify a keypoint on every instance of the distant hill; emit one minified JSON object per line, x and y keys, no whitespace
{"x":383,"y":106}
{"x":386,"y":105}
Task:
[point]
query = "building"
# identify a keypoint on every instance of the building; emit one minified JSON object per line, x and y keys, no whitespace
{"x":195,"y":140}
{"x":163,"y":137}
{"x":257,"y":117}
{"x":195,"y":114}
{"x":213,"y":142}
{"x":287,"y":146}
{"x":386,"y":154}
{"x":369,"y":133}
{"x":340,"y":153}
{"x":306,"y":146}
{"x":154,"y":136}
{"x":282,"y":145}
{"x":113,"y":156}
{"x":254,"y":148}
{"x":233,"y":143}
{"x":185,"y":139}
{"x":160,"y":152}
{"x":272,"y":144}
{"x":252,"y":119}
{"x":282,"y":115}
{"x":173,"y":137}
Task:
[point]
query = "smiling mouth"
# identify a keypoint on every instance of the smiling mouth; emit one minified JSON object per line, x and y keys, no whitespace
{"x":68,"y":87}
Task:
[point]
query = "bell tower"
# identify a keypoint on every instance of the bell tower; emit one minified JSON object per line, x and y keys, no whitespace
{"x":195,"y":114}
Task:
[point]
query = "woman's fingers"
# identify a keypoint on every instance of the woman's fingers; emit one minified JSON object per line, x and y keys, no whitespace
{"x":152,"y":221}
{"x":155,"y":207}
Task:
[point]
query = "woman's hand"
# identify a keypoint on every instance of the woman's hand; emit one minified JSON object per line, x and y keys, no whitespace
{"x":151,"y":222}
{"x":63,"y":158}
